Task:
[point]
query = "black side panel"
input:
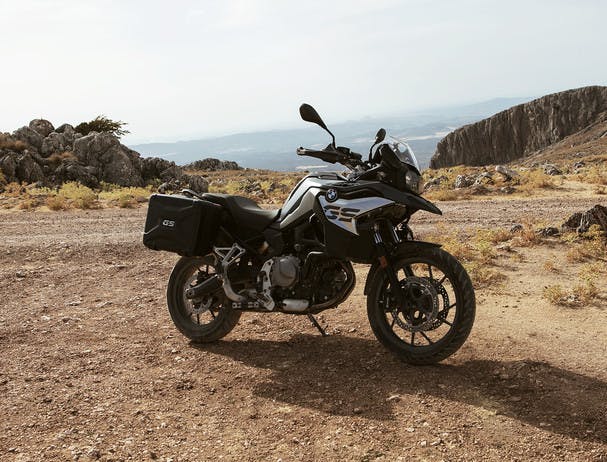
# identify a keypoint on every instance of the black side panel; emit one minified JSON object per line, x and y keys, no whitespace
{"x":341,"y":244}
{"x":420,"y":247}
{"x":181,"y":224}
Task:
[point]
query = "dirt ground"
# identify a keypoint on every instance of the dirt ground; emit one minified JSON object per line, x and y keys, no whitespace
{"x":92,"y":367}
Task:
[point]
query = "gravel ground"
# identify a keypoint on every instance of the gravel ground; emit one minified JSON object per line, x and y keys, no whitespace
{"x":93,"y":369}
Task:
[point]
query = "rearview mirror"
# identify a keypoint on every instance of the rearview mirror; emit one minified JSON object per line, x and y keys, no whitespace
{"x":381,"y":134}
{"x":309,"y":114}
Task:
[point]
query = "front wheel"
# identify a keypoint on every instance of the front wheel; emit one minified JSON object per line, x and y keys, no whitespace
{"x":201,"y":320}
{"x":438,"y":313}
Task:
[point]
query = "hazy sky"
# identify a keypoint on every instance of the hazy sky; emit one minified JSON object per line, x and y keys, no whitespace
{"x":184,"y":69}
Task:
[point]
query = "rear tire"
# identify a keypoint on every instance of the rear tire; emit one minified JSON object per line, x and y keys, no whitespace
{"x":380,"y":308}
{"x":222,"y":318}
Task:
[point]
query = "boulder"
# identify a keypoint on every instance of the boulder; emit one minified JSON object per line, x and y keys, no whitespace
{"x":579,"y":164}
{"x":27,"y":170}
{"x":508,"y":173}
{"x":29,"y":136}
{"x":156,"y":168}
{"x":8,"y":166}
{"x":71,"y":171}
{"x":111,"y":161}
{"x":55,"y":143}
{"x":463,"y":181}
{"x":484,"y":178}
{"x":196,"y":183}
{"x":551,"y":169}
{"x":548,"y":231}
{"x":42,"y":126}
{"x":582,"y":221}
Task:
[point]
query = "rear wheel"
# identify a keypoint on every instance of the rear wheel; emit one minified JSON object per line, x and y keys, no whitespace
{"x":207,"y":318}
{"x":439,"y":311}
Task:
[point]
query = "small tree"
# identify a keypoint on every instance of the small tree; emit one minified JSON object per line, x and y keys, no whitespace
{"x":102,"y":124}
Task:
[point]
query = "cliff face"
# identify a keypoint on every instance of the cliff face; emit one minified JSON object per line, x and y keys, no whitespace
{"x":521,"y":130}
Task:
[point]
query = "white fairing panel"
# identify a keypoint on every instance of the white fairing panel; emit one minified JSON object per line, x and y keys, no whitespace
{"x":344,"y":212}
{"x":305,"y":206}
{"x":301,"y":199}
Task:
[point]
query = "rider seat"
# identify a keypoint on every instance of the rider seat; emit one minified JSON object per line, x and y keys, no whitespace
{"x":244,"y":211}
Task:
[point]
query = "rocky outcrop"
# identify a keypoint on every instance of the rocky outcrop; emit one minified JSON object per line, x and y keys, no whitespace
{"x":522,"y":130}
{"x":40,"y":153}
{"x":212,"y":165}
{"x":582,"y":221}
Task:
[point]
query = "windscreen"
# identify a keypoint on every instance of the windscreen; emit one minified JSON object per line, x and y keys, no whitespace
{"x":404,"y":152}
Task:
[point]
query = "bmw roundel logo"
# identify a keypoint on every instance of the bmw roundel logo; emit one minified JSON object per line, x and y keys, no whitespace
{"x":331,"y":195}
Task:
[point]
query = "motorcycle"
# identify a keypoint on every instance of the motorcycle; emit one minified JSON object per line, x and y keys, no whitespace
{"x":237,"y":256}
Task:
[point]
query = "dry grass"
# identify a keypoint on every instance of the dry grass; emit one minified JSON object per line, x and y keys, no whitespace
{"x":125,"y":197}
{"x":58,"y":157}
{"x":530,"y":181}
{"x":551,"y":266}
{"x":56,"y":202}
{"x":593,"y":174}
{"x":599,"y":189}
{"x":447,"y":195}
{"x":580,"y":295}
{"x":8,"y":142}
{"x":588,"y":246}
{"x":78,"y":196}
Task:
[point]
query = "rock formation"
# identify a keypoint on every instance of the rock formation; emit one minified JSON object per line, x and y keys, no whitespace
{"x":522,"y":130}
{"x":212,"y":165}
{"x":41,"y":153}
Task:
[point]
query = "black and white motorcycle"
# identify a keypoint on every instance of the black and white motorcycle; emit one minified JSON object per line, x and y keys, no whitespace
{"x":298,"y":259}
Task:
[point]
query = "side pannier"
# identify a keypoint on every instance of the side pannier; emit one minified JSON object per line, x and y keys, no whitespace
{"x":180,"y":224}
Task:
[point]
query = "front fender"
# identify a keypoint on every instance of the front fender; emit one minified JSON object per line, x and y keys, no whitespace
{"x":410,"y":246}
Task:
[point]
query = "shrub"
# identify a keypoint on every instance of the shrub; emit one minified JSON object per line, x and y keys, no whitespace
{"x":532,"y":180}
{"x":56,"y":202}
{"x":102,"y":124}
{"x":126,"y":201}
{"x":27,"y":203}
{"x":580,"y":294}
{"x":58,"y":157}
{"x":555,"y":295}
{"x":78,"y":195}
{"x":7,"y":142}
{"x":551,"y":266}
{"x":125,"y":197}
{"x":482,"y":276}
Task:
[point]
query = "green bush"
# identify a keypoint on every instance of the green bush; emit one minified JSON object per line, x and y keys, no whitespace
{"x":102,"y":124}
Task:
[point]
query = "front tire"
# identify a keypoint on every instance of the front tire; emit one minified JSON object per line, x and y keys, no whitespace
{"x":441,"y":307}
{"x":205,"y":320}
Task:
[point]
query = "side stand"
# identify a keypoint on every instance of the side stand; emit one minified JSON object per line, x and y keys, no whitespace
{"x":317,"y":325}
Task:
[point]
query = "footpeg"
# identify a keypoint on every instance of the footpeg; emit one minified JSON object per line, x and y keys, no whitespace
{"x":246,"y":305}
{"x":318,"y":326}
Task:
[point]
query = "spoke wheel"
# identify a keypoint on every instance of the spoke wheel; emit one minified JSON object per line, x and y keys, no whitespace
{"x":205,"y":319}
{"x":438,"y":312}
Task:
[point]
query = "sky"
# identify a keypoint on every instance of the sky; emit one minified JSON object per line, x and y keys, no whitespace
{"x":190,"y":69}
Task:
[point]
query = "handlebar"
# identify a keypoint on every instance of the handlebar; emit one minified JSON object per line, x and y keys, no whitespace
{"x":332,"y":156}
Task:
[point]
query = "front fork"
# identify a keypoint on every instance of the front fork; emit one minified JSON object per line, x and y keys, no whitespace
{"x":385,"y":263}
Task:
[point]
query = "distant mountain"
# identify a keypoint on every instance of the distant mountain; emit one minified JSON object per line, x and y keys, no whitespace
{"x":275,"y":149}
{"x":529,"y":128}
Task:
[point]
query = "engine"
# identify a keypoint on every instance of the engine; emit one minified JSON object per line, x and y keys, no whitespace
{"x":319,"y":283}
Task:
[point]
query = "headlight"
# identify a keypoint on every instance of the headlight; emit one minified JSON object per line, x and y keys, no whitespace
{"x":413,"y":181}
